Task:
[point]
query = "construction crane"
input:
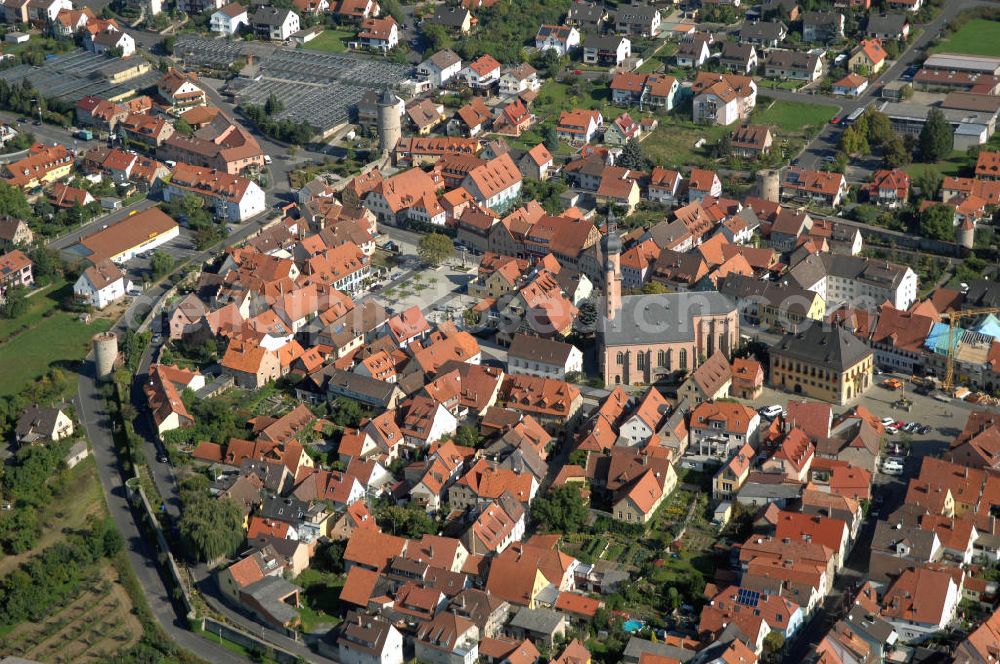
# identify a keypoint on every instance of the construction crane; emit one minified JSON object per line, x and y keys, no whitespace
{"x":953,"y":318}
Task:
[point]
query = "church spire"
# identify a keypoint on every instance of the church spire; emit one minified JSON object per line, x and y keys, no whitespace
{"x":611,"y":246}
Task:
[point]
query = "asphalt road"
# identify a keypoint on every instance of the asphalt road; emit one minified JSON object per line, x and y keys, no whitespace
{"x":91,"y":407}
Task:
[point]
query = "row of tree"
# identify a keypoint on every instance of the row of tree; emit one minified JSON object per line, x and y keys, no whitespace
{"x":57,"y":574}
{"x":286,"y":131}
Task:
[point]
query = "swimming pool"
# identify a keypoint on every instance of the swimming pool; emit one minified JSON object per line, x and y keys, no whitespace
{"x":633,"y":626}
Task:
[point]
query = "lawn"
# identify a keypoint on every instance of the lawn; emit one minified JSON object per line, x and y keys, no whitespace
{"x":792,"y":117}
{"x":54,"y":340}
{"x":672,"y":143}
{"x":331,"y":41}
{"x":977,"y":37}
{"x":664,"y":57}
{"x":39,"y":303}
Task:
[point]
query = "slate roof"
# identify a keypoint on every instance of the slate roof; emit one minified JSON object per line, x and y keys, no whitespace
{"x":835,"y":349}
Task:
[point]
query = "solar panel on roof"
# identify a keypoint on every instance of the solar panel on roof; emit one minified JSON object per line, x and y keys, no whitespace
{"x":747,"y":597}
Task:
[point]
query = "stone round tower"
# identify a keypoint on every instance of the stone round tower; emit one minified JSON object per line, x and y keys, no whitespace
{"x":105,"y":354}
{"x":390,"y":128}
{"x":966,"y":234}
{"x":769,"y":185}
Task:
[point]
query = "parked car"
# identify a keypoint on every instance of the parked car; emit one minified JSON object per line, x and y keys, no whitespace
{"x":886,"y":421}
{"x":892,"y":467}
{"x":771,"y":412}
{"x":892,"y":430}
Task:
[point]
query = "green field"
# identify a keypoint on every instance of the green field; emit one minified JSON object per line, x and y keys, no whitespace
{"x":791,"y":117}
{"x":977,"y":37}
{"x":41,"y":302}
{"x":672,"y":143}
{"x":52,"y":340}
{"x":332,"y":41}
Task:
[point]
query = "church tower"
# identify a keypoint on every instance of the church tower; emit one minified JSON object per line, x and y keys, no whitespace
{"x":611,"y":245}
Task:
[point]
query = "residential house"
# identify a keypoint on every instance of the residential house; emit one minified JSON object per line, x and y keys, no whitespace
{"x":251,"y":365}
{"x":751,"y":141}
{"x":822,"y":26}
{"x":559,"y":38}
{"x":664,"y":185}
{"x":518,"y":79}
{"x":16,"y":269}
{"x":794,"y":65}
{"x":579,"y":126}
{"x":274,"y":24}
{"x":820,"y":186}
{"x":229,"y":19}
{"x":366,"y":639}
{"x":606,"y":50}
{"x":14,"y":233}
{"x":455,"y":19}
{"x":728,"y":480}
{"x":851,"y":85}
{"x":637,"y":19}
{"x":703,"y":183}
{"x":180,"y":91}
{"x":920,"y":603}
{"x":483,"y":73}
{"x":440,"y":68}
{"x":537,"y":163}
{"x":101,"y":284}
{"x":43,"y":164}
{"x":748,"y":378}
{"x":694,"y":52}
{"x":763,"y":34}
{"x":739,"y":58}
{"x":889,"y":188}
{"x":40,"y":424}
{"x":379,"y":34}
{"x":229,"y":197}
{"x":719,"y":428}
{"x":887,"y":26}
{"x":536,"y":356}
{"x":868,"y":57}
{"x":723,"y":98}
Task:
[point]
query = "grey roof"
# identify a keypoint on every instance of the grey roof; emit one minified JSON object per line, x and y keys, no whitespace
{"x":445,"y":58}
{"x":918,"y":112}
{"x":737,"y":52}
{"x":350,"y":384}
{"x":871,"y":271}
{"x":267,"y":15}
{"x":888,"y":534}
{"x":38,"y":420}
{"x":660,"y":318}
{"x":536,"y":349}
{"x":586,"y":12}
{"x":821,"y":18}
{"x":539,"y":621}
{"x":762,"y":30}
{"x":603,"y":42}
{"x":835,"y":348}
{"x":790,"y":297}
{"x":983,"y":293}
{"x":770,"y":491}
{"x":636,"y":647}
{"x":451,"y":16}
{"x":363,"y":632}
{"x":880,"y":24}
{"x":269,"y":593}
{"x":633,"y":13}
{"x":793,"y":60}
{"x":869,"y":626}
